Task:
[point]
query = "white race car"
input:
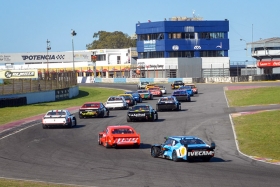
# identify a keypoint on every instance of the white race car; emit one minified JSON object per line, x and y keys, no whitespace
{"x":58,"y":118}
{"x":116,"y":102}
{"x":162,"y":89}
{"x":142,"y":85}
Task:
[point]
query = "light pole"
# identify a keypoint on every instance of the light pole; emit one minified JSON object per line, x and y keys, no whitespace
{"x":47,"y":57}
{"x":73,"y":33}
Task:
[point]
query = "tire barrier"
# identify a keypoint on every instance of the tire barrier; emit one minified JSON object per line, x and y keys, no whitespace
{"x":13,"y":102}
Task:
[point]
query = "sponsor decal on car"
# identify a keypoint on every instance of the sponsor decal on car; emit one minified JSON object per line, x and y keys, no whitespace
{"x":201,"y":153}
{"x":137,"y":114}
{"x":119,"y":140}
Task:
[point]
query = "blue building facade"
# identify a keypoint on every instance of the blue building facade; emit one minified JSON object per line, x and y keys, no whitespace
{"x":185,"y":38}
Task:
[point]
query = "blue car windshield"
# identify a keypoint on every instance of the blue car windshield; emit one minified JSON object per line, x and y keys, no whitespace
{"x":179,"y":92}
{"x":191,"y":141}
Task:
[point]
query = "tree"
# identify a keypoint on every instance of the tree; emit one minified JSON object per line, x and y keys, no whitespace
{"x":111,"y":40}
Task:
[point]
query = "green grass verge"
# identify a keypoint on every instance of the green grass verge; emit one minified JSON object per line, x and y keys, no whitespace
{"x":258,"y":134}
{"x":255,"y":96}
{"x":21,"y":183}
{"x":86,"y":94}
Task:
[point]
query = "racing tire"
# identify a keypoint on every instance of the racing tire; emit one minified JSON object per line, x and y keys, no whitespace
{"x":75,"y":124}
{"x":99,"y":141}
{"x":137,"y":146}
{"x":107,"y":113}
{"x":107,"y":145}
{"x":140,"y":100}
{"x":174,"y":156}
{"x":156,"y":116}
{"x":152,"y":97}
{"x":178,"y":107}
{"x":128,"y":119}
{"x":44,"y":126}
{"x":157,"y":108}
{"x":69,"y":125}
{"x":155,"y":152}
{"x":152,"y":118}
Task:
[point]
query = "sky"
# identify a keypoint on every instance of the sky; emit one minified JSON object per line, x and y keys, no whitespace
{"x":26,"y":25}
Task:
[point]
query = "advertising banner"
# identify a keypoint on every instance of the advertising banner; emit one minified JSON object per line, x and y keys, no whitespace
{"x":19,"y":74}
{"x":273,"y":63}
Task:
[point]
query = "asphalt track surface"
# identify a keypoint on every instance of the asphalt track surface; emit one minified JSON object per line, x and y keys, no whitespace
{"x":73,"y":156}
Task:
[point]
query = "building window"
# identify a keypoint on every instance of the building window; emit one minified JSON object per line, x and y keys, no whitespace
{"x":183,"y":54}
{"x":211,"y":35}
{"x":181,"y":35}
{"x":151,"y":54}
{"x":211,"y":53}
{"x":153,"y":36}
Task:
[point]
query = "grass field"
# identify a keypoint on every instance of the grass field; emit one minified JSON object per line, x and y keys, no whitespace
{"x":86,"y":94}
{"x":254,"y":96}
{"x":21,"y":183}
{"x":257,"y":134}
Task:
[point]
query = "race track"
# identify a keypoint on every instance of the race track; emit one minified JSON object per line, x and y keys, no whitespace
{"x":73,"y":156}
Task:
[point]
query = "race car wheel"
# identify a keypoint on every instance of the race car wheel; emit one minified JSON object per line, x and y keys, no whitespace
{"x":152,"y":97}
{"x":107,"y":113}
{"x":157,"y":108}
{"x":44,"y":126}
{"x":69,"y":125}
{"x":107,"y":145}
{"x":174,"y":156}
{"x":75,"y":124}
{"x":156,"y":116}
{"x":155,"y":152}
{"x":137,"y":146}
{"x":99,"y":141}
{"x":128,"y":119}
{"x":178,"y":107}
{"x":140,"y":100}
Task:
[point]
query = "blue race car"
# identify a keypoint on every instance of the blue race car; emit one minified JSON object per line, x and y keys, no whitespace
{"x":188,"y":88}
{"x":182,"y":95}
{"x":137,"y":97}
{"x":188,"y":148}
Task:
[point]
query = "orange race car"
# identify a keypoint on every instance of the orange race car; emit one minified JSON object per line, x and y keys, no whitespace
{"x":155,"y":91}
{"x":119,"y":136}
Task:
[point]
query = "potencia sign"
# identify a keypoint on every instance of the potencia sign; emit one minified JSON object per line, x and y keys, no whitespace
{"x":263,"y":64}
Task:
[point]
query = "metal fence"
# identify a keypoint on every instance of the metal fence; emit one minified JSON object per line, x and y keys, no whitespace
{"x":46,"y":81}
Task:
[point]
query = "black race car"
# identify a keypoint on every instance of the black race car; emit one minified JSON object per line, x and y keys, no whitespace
{"x":142,"y":112}
{"x":177,"y":84}
{"x":168,"y":103}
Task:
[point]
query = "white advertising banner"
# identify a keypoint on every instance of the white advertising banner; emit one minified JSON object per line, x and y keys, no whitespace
{"x":46,"y":57}
{"x":19,"y":74}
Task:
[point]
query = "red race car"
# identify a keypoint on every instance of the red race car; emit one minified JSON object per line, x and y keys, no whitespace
{"x":155,"y":91}
{"x":119,"y":136}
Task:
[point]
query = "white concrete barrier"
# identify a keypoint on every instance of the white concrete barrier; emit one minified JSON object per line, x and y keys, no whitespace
{"x":161,"y":80}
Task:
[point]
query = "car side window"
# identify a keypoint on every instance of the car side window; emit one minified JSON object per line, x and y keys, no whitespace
{"x":168,"y":141}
